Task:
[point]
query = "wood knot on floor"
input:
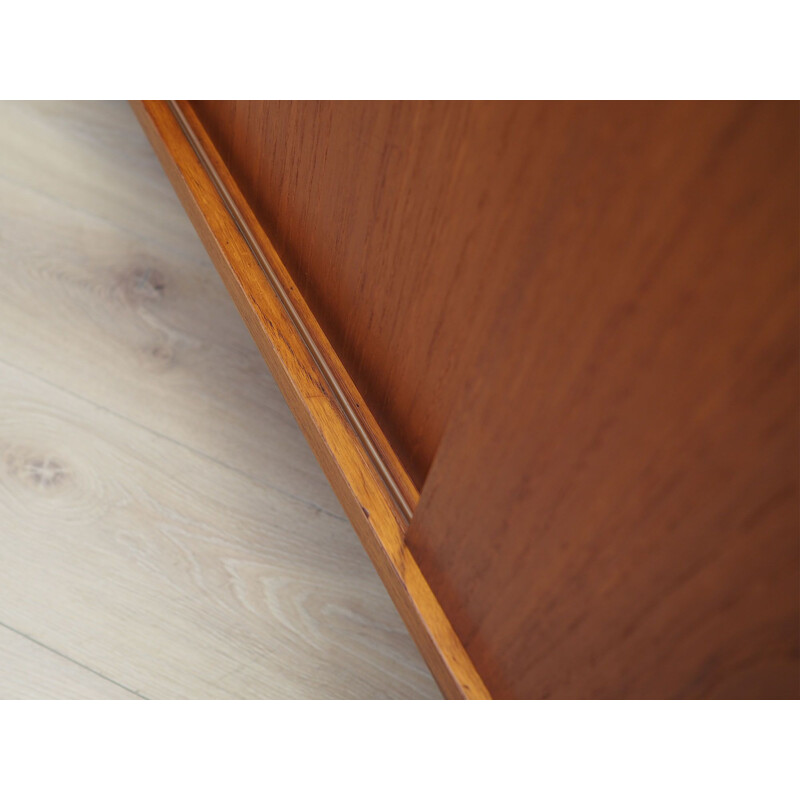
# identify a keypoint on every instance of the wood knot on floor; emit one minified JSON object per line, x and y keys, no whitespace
{"x":45,"y":473}
{"x":142,"y":284}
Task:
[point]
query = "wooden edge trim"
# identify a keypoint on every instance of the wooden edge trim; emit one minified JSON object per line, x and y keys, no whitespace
{"x":348,"y":465}
{"x":400,"y":485}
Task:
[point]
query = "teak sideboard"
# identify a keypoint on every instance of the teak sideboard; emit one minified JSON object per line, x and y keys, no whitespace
{"x":547,"y":355}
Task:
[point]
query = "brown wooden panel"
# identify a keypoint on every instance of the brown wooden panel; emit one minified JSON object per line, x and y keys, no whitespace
{"x":613,"y":510}
{"x":398,"y":222}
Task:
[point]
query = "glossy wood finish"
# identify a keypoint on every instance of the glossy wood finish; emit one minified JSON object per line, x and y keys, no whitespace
{"x":576,"y":327}
{"x":613,"y":511}
{"x":397,"y":221}
{"x":350,"y":469}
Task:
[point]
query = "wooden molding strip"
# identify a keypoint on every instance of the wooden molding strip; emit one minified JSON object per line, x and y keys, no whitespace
{"x":394,"y":476}
{"x":366,"y":475}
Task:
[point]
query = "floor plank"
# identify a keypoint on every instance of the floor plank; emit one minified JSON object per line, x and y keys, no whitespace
{"x":31,"y":671}
{"x":143,"y":331}
{"x":164,"y":529}
{"x":91,"y":157}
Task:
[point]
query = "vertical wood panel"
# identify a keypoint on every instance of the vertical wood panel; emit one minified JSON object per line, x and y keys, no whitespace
{"x":613,"y":511}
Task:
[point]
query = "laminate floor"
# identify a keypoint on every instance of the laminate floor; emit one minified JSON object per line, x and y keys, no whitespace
{"x":165,"y":531}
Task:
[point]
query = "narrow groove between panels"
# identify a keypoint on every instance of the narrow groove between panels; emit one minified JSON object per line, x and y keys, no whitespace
{"x":337,"y":392}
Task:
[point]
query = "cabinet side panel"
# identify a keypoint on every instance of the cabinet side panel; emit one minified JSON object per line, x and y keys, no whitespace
{"x":613,"y":510}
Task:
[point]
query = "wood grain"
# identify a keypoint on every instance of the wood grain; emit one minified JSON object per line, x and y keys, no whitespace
{"x":613,"y":511}
{"x":138,"y":316}
{"x":86,"y":156}
{"x":33,"y":672}
{"x":164,"y":530}
{"x":576,"y":325}
{"x":349,"y":467}
{"x":326,"y":360}
{"x":177,"y":577}
{"x":397,"y":222}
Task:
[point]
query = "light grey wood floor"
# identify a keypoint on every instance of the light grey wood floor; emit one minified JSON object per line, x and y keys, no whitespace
{"x":165,"y":531}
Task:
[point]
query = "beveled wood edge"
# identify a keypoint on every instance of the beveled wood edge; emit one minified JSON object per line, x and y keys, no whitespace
{"x":347,"y":463}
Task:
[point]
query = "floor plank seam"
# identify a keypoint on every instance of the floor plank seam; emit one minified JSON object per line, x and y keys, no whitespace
{"x":72,"y":660}
{"x":185,"y":257}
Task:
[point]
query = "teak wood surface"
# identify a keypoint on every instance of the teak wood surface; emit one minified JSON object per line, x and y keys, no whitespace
{"x":397,"y":221}
{"x":573,"y":328}
{"x":613,"y":511}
